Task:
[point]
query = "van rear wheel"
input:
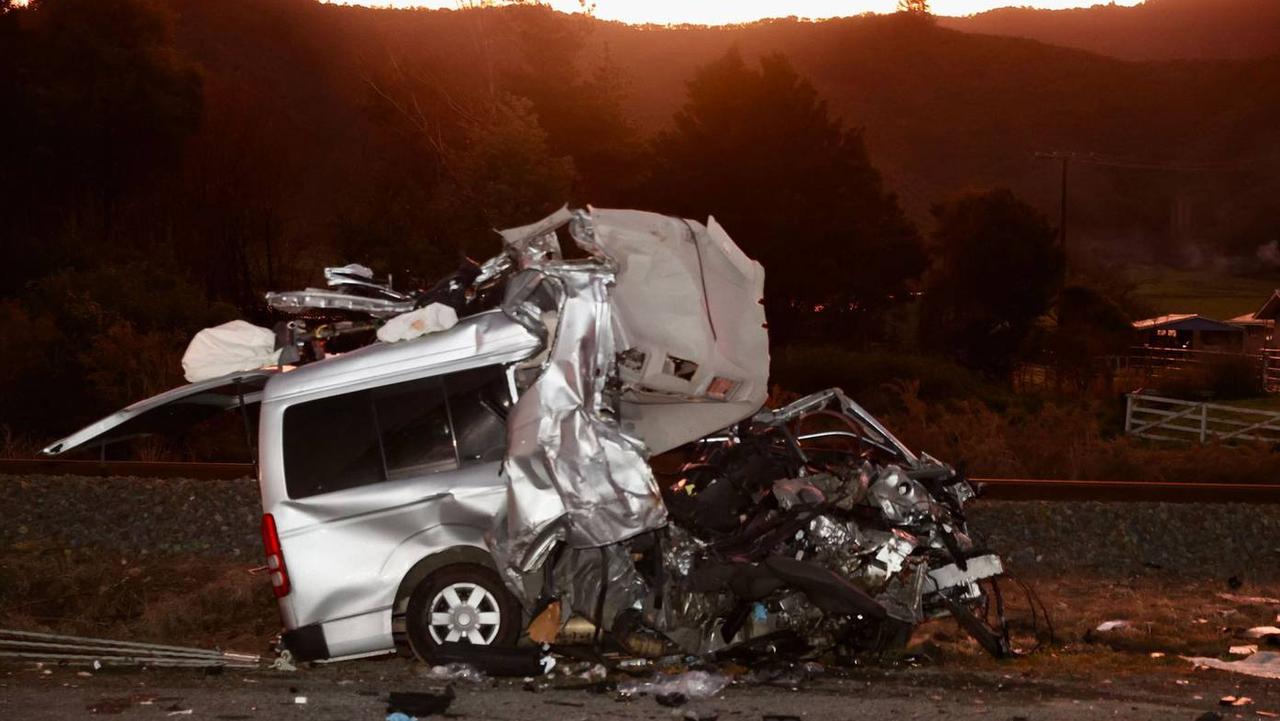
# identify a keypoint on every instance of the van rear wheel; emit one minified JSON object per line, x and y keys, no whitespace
{"x":463,"y":603}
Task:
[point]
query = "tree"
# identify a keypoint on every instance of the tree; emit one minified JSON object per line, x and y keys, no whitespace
{"x":582,"y":114}
{"x":96,"y":101}
{"x":1087,"y":326}
{"x":758,"y":149}
{"x":997,"y":268}
{"x":483,"y":160}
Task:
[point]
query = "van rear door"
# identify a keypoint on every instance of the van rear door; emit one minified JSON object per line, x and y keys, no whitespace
{"x":172,"y":411}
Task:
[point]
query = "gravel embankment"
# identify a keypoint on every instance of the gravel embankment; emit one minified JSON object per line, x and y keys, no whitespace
{"x":1217,"y":540}
{"x":220,"y":518}
{"x":152,"y":515}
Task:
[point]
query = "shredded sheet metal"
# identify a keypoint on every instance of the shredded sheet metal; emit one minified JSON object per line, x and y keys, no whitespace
{"x":1263,"y":664}
{"x":569,"y":465}
{"x":676,"y":299}
{"x":687,"y":306}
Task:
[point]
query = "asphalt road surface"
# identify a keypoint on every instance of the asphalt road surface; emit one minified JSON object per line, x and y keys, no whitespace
{"x":358,"y":690}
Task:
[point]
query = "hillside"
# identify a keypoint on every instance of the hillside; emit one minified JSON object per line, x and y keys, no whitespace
{"x":942,"y":110}
{"x":1154,"y":30}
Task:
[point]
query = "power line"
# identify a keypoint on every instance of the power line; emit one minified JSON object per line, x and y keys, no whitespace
{"x":1112,"y":161}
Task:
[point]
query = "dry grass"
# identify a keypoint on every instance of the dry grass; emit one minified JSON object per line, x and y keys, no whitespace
{"x":176,"y":600}
{"x":207,"y":603}
{"x":1064,"y":440}
{"x":1165,"y":616}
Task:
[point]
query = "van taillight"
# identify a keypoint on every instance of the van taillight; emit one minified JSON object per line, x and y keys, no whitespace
{"x":275,"y":557}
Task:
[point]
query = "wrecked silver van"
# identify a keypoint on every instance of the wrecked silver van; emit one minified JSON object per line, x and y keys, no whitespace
{"x":488,"y":472}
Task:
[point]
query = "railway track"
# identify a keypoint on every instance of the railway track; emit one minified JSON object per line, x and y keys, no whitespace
{"x":1005,"y":489}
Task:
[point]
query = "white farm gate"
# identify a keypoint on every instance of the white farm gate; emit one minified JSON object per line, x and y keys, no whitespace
{"x":1171,"y":419}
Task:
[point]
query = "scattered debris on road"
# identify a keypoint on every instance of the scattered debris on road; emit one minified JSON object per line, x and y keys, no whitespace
{"x":1258,"y":600}
{"x":1267,"y":634}
{"x":675,"y":690}
{"x":1263,"y":664}
{"x":1111,"y":626}
{"x":417,"y":704}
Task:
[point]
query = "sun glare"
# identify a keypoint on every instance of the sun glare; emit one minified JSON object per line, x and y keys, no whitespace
{"x":719,"y":12}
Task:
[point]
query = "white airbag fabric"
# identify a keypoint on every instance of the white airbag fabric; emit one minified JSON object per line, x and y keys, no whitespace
{"x":228,"y":348}
{"x":416,"y":323}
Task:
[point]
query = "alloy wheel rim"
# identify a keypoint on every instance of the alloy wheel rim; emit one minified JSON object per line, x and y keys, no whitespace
{"x":464,"y":612}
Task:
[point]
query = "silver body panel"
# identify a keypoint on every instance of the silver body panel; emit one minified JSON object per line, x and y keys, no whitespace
{"x":181,"y":405}
{"x":348,"y":551}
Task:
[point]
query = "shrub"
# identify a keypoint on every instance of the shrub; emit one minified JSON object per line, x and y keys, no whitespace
{"x":1225,"y":377}
{"x":872,"y":377}
{"x":1070,"y":440}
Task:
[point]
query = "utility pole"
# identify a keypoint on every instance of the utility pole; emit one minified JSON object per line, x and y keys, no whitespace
{"x":1065,"y":158}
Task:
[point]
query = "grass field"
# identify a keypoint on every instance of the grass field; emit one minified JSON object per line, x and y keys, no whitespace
{"x":1216,"y":295}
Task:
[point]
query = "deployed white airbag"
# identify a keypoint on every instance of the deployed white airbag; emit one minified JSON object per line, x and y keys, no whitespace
{"x":407,"y":326}
{"x":228,"y":348}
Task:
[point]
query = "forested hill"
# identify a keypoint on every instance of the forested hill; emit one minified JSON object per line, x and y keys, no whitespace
{"x":168,"y":161}
{"x":1153,"y":30}
{"x":942,"y":110}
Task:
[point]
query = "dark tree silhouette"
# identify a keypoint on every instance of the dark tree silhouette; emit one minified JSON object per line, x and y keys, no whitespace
{"x":757,"y":148}
{"x":581,"y":112}
{"x":997,"y":269}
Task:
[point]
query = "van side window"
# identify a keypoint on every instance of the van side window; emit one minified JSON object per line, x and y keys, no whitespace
{"x":369,"y":436}
{"x":479,"y":400}
{"x":331,"y":444}
{"x":415,"y":428}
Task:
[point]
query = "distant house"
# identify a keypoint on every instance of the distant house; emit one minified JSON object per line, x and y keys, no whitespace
{"x":1260,"y":326}
{"x":1188,"y":331}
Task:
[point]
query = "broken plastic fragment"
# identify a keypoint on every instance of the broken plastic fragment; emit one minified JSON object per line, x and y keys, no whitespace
{"x":1269,"y":633}
{"x":420,"y":703}
{"x":692,"y":685}
{"x":1264,"y":664}
{"x":416,"y":323}
{"x":464,"y":672}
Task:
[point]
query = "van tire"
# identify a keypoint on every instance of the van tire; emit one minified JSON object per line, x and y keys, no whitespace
{"x":481,"y":593}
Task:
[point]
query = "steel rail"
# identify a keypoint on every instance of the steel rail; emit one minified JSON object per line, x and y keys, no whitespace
{"x":9,"y":635}
{"x":14,"y":644}
{"x":1028,"y":489}
{"x":81,"y":659}
{"x":1039,"y":489}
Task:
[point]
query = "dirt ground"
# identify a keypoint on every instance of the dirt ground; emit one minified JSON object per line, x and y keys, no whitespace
{"x":359,"y":690}
{"x":1134,"y":672}
{"x":1185,"y":582}
{"x":210,"y":602}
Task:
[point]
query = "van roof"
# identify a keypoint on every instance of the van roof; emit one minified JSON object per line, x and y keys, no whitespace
{"x":478,"y":340}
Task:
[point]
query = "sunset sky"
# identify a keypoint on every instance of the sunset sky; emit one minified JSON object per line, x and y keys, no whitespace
{"x":729,"y":11}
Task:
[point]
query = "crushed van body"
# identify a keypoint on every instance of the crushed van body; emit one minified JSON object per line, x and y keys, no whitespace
{"x":647,"y":487}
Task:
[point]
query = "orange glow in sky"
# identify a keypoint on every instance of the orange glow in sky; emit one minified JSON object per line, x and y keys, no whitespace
{"x":715,"y":12}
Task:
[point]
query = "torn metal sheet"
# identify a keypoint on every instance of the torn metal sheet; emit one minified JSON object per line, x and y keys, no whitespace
{"x":690,"y":322}
{"x":171,"y":411}
{"x":850,"y":501}
{"x":1263,"y":664}
{"x":629,"y":370}
{"x":569,"y":465}
{"x":300,"y":301}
